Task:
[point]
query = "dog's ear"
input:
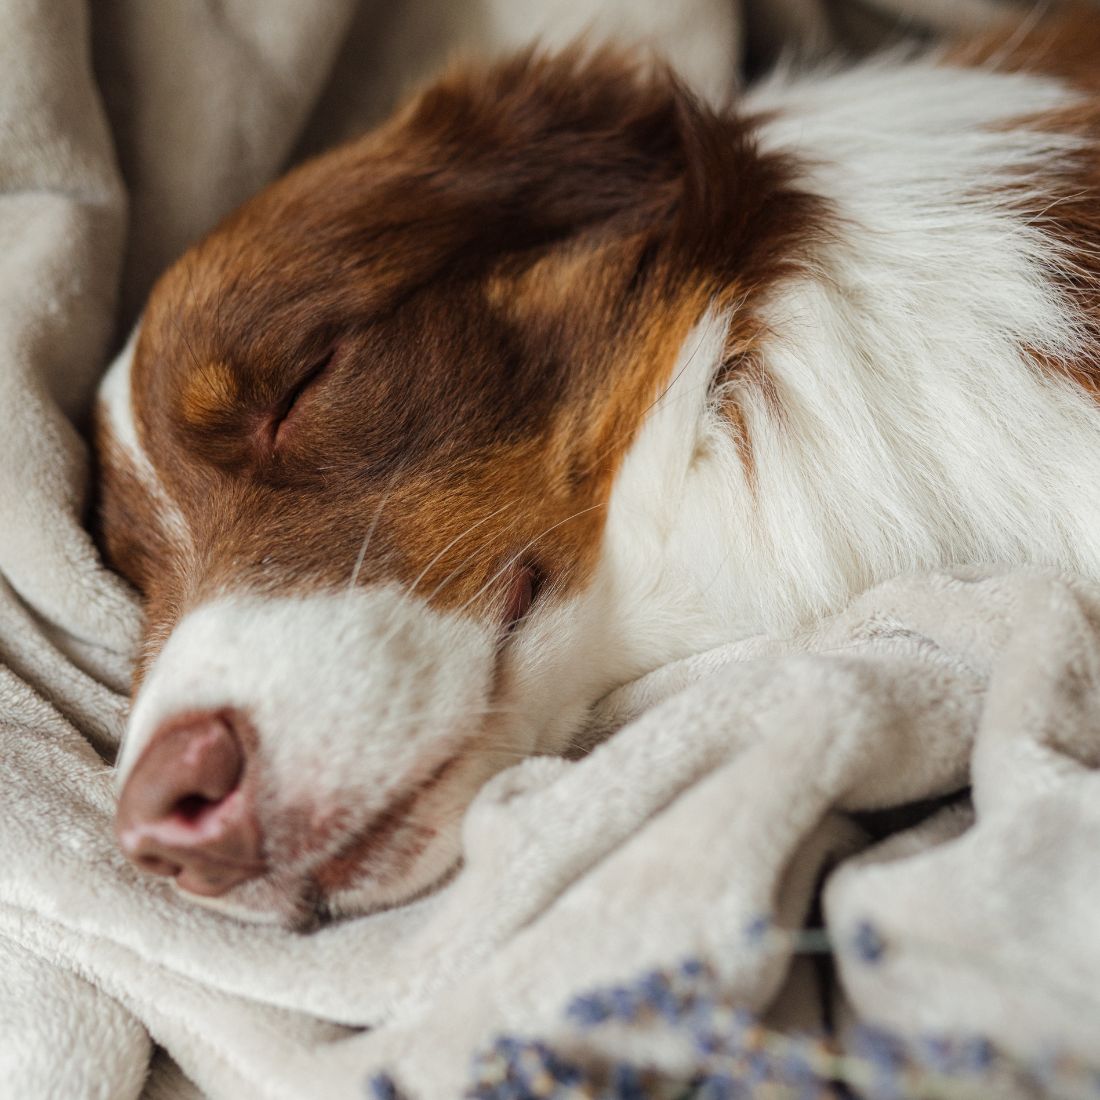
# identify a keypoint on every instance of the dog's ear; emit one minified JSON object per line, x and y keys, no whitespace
{"x":559,"y":142}
{"x":598,"y":142}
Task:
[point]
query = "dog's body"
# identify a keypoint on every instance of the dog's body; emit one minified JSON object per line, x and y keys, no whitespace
{"x":559,"y":377}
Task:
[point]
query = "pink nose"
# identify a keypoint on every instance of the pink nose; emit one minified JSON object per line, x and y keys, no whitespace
{"x":184,"y":812}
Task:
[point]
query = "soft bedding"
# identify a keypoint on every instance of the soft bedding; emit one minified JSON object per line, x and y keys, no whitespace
{"x":731,"y":799}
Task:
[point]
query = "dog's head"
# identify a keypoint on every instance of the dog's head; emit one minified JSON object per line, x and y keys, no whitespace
{"x":359,"y":459}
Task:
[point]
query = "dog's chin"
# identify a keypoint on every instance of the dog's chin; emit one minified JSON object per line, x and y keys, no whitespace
{"x":296,"y":902}
{"x":371,"y":898}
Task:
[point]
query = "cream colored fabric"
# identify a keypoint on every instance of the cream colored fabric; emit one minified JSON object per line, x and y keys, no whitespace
{"x":127,"y":127}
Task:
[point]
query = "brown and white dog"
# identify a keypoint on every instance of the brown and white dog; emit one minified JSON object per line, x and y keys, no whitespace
{"x":559,"y":376}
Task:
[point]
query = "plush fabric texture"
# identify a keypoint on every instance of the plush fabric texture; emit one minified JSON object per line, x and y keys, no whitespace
{"x":727,"y":788}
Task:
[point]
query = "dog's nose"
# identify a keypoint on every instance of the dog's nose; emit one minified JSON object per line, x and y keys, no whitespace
{"x":184,"y":812}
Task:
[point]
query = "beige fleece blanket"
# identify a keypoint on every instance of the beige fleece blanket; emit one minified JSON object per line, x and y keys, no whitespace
{"x":128,"y":126}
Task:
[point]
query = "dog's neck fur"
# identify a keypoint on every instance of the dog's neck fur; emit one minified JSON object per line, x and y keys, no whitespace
{"x":905,"y":424}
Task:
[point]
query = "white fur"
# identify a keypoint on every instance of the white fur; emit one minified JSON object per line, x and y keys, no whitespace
{"x":914,"y":431}
{"x":116,"y":401}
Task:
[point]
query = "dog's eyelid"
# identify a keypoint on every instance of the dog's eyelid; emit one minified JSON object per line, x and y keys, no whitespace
{"x":320,"y":365}
{"x":291,"y":401}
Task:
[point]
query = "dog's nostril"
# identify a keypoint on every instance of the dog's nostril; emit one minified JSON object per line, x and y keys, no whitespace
{"x":192,"y":806}
{"x":183,"y":811}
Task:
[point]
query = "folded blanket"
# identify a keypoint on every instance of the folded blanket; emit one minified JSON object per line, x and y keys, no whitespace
{"x":726,"y":790}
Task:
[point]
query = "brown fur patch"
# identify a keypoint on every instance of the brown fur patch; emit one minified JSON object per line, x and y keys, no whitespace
{"x":206,"y":393}
{"x":509,"y":269}
{"x":1064,"y":44}
{"x":1059,"y":40}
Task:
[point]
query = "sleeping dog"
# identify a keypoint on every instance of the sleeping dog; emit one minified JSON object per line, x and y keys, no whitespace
{"x":559,"y":376}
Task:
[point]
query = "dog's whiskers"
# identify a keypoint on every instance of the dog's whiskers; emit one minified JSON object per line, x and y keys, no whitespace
{"x":408,"y":593}
{"x":370,"y":532}
{"x":518,"y":555}
{"x":462,"y":566}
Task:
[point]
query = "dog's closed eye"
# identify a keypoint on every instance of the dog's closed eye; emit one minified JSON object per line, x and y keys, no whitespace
{"x":291,"y":406}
